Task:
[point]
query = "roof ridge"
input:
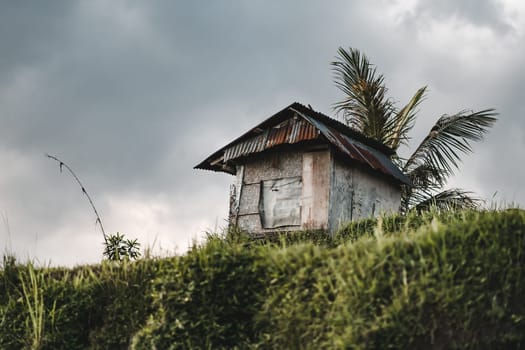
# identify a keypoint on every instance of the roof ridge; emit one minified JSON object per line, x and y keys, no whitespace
{"x":346,"y":140}
{"x":346,"y":129}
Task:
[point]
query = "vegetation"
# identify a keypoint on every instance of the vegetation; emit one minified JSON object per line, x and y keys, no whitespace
{"x":88,"y":307}
{"x":367,"y":108}
{"x":449,"y":279}
{"x":116,"y":247}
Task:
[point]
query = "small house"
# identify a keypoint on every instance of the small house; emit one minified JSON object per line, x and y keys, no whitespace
{"x":300,"y":169}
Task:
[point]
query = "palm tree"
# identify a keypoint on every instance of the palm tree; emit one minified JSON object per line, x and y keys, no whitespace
{"x":367,"y":108}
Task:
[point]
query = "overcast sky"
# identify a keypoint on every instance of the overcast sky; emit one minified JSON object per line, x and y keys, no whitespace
{"x":133,"y":94}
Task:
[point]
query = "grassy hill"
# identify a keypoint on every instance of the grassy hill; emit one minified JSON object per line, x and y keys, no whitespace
{"x":450,"y":280}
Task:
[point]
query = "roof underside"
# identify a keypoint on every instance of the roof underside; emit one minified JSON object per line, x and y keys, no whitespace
{"x":298,"y":124}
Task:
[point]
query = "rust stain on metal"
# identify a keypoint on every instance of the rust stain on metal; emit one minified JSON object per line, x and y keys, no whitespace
{"x":289,"y":132}
{"x":297,"y":123}
{"x":357,"y":150}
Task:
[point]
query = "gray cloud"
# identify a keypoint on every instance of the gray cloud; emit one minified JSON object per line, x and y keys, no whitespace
{"x":132,"y":95}
{"x":486,"y":13}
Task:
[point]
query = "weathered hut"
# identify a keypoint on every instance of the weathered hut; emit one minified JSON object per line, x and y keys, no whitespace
{"x":300,"y":169}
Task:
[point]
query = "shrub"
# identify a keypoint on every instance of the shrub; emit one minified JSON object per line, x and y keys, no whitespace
{"x":454,"y":286}
{"x":97,"y":307}
{"x":207,"y":299}
{"x":443,"y":280}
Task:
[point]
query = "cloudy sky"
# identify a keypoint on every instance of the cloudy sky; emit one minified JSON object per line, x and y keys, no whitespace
{"x":133,"y":94}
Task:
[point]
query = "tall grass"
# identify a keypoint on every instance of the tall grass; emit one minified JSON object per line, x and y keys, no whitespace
{"x":456,"y":281}
{"x":441,"y":280}
{"x":95,"y":307}
{"x":32,"y":283}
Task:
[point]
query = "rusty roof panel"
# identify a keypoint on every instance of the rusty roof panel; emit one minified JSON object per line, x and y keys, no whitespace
{"x":293,"y":132}
{"x":371,"y":159}
{"x":239,"y":149}
{"x":288,"y":132}
{"x":358,"y":151}
{"x":297,"y":123}
{"x":275,"y":137}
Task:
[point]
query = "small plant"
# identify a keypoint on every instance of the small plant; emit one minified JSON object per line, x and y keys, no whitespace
{"x":34,"y":301}
{"x":118,"y":248}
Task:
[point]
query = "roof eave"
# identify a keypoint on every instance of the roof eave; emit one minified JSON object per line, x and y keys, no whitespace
{"x":306,"y":114}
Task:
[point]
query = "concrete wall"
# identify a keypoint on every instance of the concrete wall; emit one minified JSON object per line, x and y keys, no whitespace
{"x":333,"y":192}
{"x":268,"y":166}
{"x":356,"y":193}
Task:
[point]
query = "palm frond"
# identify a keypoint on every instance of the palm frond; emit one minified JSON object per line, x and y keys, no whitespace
{"x":423,"y":176}
{"x":403,"y":121}
{"x":449,"y":199}
{"x":450,"y":137}
{"x":365,"y":106}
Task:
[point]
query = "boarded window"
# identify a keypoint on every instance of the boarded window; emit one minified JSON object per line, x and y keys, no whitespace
{"x":280,"y":202}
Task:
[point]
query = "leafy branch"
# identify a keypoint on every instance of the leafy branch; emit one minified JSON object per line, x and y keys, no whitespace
{"x":118,"y":248}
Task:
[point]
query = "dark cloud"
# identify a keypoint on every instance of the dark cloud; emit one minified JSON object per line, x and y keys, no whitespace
{"x":31,"y":34}
{"x":132,"y":95}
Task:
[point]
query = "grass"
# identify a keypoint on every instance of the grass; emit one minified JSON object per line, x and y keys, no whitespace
{"x":440,"y":280}
{"x":31,"y":283}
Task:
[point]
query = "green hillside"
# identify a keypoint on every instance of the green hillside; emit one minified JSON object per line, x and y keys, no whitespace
{"x":449,"y":280}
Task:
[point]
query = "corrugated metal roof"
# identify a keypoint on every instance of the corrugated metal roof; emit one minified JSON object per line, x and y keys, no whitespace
{"x":297,"y":123}
{"x":356,"y":150}
{"x":291,"y":131}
